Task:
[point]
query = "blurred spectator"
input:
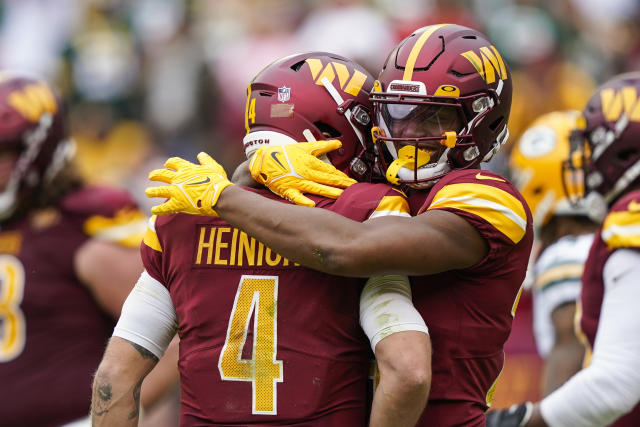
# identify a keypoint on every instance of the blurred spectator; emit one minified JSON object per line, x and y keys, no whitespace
{"x":352,"y":28}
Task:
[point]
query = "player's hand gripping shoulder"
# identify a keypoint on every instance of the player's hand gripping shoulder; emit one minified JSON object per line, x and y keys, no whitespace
{"x":517,"y":415}
{"x":291,"y":170}
{"x":192,"y":189}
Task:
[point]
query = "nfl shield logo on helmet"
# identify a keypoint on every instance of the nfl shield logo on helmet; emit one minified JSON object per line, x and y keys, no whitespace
{"x":284,"y":94}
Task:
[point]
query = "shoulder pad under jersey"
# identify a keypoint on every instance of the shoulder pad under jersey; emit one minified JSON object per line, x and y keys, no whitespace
{"x":621,"y":226}
{"x":485,"y":195}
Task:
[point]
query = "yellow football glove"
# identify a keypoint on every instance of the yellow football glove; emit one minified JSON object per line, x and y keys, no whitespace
{"x":291,"y":170}
{"x":193,"y":189}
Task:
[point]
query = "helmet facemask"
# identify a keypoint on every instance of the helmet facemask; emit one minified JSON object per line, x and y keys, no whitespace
{"x":440,"y":130}
{"x":435,"y":72}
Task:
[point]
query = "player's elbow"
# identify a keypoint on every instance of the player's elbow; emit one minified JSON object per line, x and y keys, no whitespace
{"x":404,"y":361}
{"x":109,"y":375}
{"x":408,"y":377}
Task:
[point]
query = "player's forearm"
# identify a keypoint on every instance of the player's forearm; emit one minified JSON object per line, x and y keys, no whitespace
{"x":313,"y":237}
{"x":404,"y":362}
{"x":117,"y":383}
{"x":114,"y":403}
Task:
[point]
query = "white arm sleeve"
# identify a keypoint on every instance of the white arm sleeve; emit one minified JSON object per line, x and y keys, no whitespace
{"x":610,"y":386}
{"x":386,"y":308}
{"x":148,"y":317}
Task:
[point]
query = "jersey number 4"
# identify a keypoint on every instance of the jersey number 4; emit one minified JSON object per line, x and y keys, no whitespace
{"x":257,"y":296}
{"x":12,"y":324}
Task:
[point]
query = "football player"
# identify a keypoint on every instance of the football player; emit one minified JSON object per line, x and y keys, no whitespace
{"x":68,"y":260}
{"x":605,"y":161}
{"x":564,"y":233}
{"x":264,"y":340}
{"x":442,"y":104}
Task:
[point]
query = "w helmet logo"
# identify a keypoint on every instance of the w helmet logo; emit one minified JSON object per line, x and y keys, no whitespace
{"x":33,"y":101}
{"x":490,"y":64}
{"x":615,"y":102}
{"x":349,"y":83}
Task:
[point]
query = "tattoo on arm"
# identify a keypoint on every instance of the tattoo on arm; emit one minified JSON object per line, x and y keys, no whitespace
{"x":146,"y":354}
{"x":101,"y":398}
{"x":319,"y":255}
{"x":136,"y":400}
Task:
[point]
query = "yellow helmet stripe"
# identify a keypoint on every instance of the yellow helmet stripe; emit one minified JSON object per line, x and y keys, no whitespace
{"x":415,"y":51}
{"x":246,"y":109}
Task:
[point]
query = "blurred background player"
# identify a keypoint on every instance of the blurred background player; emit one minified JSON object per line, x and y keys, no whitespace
{"x":605,"y":163}
{"x":309,"y":362}
{"x":440,"y":112}
{"x":564,"y":234}
{"x":68,"y":260}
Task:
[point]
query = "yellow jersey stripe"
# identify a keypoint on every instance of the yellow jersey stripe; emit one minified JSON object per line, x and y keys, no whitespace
{"x":126,"y":227}
{"x":415,"y":51}
{"x":393,"y":203}
{"x":391,"y":206}
{"x":622,"y":229}
{"x":497,"y":207}
{"x":150,"y":237}
{"x":559,"y":272}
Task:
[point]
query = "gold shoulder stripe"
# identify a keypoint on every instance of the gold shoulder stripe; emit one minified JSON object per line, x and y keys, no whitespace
{"x":391,"y":206}
{"x":125,"y":228}
{"x":150,"y":236}
{"x":559,"y":273}
{"x":496,"y":206}
{"x":622,"y":229}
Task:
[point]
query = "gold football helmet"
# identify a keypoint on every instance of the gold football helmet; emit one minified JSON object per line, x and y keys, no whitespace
{"x":536,"y":165}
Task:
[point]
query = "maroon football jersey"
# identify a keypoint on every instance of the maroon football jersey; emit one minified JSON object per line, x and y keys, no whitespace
{"x":469,"y":312}
{"x":623,"y":213}
{"x":53,"y":333}
{"x":263,"y":340}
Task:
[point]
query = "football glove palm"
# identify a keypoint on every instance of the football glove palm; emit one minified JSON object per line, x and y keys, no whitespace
{"x":192,"y":189}
{"x":290,"y":170}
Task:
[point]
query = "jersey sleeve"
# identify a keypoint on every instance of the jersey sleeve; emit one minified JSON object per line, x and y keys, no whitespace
{"x":487,"y":201}
{"x":151,"y":251}
{"x":108,"y":215}
{"x":621,"y":227}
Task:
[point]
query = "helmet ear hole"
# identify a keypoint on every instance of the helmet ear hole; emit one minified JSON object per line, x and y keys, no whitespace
{"x":327,"y":130}
{"x":296,"y":67}
{"x":626,"y":155}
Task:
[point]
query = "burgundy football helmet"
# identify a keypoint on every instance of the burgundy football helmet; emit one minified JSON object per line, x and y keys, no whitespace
{"x":32,"y":126}
{"x":308,"y":97}
{"x":605,"y":149}
{"x":441,"y":103}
